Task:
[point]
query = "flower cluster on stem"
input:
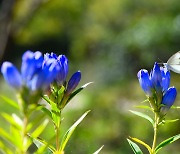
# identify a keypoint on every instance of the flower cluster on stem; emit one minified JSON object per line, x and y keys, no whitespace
{"x":160,"y":96}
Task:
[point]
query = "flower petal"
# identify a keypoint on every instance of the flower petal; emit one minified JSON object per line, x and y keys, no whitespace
{"x":11,"y":75}
{"x":63,"y":69}
{"x":145,"y":82}
{"x":45,"y":77}
{"x":165,"y":78}
{"x":169,"y":97}
{"x":156,"y":77}
{"x":73,"y":82}
{"x":31,"y":63}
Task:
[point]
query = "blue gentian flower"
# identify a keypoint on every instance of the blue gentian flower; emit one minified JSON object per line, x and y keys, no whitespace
{"x":169,"y":97}
{"x":168,"y":100}
{"x":156,"y":77}
{"x":36,"y":72}
{"x":45,"y":76}
{"x":62,"y":67}
{"x":31,"y":64}
{"x":73,"y":82}
{"x":63,"y":72}
{"x":165,"y":78}
{"x":145,"y":81}
{"x":156,"y":87}
{"x":11,"y":75}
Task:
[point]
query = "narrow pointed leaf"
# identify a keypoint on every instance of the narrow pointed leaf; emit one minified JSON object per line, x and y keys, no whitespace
{"x":143,"y":107}
{"x":143,"y":116}
{"x":78,"y":90}
{"x":4,"y":148}
{"x":10,"y":101}
{"x":36,"y":122}
{"x":175,"y":107}
{"x":38,"y":131}
{"x":142,"y":143}
{"x":167,"y":141}
{"x":47,"y":112}
{"x":68,"y":134}
{"x":42,"y":145}
{"x":11,"y":120}
{"x":16,"y":135}
{"x":135,"y":147}
{"x":46,"y":98}
{"x":7,"y":137}
{"x":96,"y":152}
{"x":170,"y":121}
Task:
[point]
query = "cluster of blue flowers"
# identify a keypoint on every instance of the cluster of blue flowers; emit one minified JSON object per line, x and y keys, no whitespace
{"x":38,"y":72}
{"x":156,"y":86}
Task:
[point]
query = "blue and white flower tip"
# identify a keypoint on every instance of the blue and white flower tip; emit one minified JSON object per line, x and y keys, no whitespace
{"x":11,"y":75}
{"x":73,"y":82}
{"x":156,"y":77}
{"x":31,"y":63}
{"x":145,"y":81}
{"x":165,"y":78}
{"x":63,"y":69}
{"x":168,"y":100}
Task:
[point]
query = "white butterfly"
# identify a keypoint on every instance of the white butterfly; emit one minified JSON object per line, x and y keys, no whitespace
{"x":173,"y":63}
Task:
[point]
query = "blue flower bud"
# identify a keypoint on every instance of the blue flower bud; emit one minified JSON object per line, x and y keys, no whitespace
{"x":168,"y":100}
{"x":45,"y":77}
{"x":169,"y":97}
{"x":165,"y":78}
{"x":156,"y":77}
{"x":31,"y":63}
{"x":73,"y":82}
{"x":145,"y":81}
{"x":11,"y":75}
{"x":63,"y":69}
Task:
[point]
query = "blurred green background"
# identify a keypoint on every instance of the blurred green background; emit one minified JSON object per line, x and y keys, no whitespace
{"x":109,"y":41}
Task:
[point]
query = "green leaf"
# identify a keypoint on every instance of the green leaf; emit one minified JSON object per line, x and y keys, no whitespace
{"x":96,"y":152}
{"x":146,"y":100}
{"x":167,"y":141}
{"x":8,"y":137}
{"x":143,"y":116}
{"x":46,"y":98}
{"x":78,"y":90}
{"x":56,"y":113}
{"x":144,"y":107}
{"x":135,"y":147}
{"x":4,"y":148}
{"x":35,"y":122}
{"x":11,"y":120}
{"x":37,"y":132}
{"x":60,"y":93}
{"x":70,"y":131}
{"x":43,"y":146}
{"x":142,"y":143}
{"x":39,"y":129}
{"x":10,"y":101}
{"x":170,"y":121}
{"x":16,"y":135}
{"x":44,"y":109}
{"x":175,"y":107}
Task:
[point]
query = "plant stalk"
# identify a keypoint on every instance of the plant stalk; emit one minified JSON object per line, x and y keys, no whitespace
{"x":155,"y":132}
{"x":58,"y":132}
{"x":24,"y":134}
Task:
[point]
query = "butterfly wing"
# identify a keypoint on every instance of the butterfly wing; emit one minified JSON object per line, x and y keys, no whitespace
{"x":173,"y":63}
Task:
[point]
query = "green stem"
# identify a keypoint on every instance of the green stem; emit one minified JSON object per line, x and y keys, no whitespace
{"x":58,"y":132}
{"x":24,"y":134}
{"x":155,"y":132}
